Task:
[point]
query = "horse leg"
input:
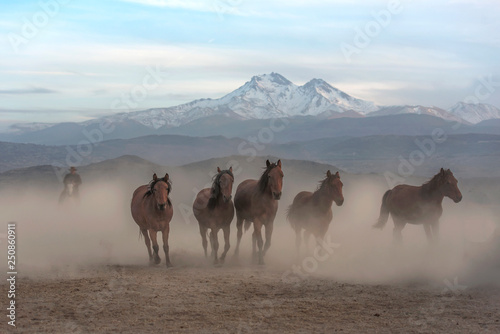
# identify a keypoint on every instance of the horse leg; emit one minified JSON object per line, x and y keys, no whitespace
{"x":258,"y":239}
{"x":307,"y":237}
{"x":269,"y":233}
{"x":298,"y":240}
{"x":254,"y":247}
{"x":164,"y":235}
{"x":399,"y":224}
{"x":214,"y":241}
{"x":435,"y":231}
{"x":226,"y":229}
{"x":239,"y":226}
{"x":428,"y":232}
{"x":148,"y":244}
{"x":203,"y":232}
{"x":152,"y":235}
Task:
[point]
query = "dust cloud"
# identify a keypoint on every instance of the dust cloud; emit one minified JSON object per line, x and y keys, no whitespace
{"x":59,"y":240}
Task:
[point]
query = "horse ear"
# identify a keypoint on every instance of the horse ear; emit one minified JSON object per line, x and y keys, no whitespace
{"x":337,"y":174}
{"x":268,"y":163}
{"x":442,"y":171}
{"x":155,"y":177}
{"x":166,"y":177}
{"x":279,"y":163}
{"x":328,"y":173}
{"x":231,"y":169}
{"x":218,"y":170}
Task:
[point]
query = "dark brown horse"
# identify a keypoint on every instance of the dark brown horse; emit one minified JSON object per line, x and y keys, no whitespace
{"x":257,"y":201}
{"x":152,"y":211}
{"x":419,"y":205}
{"x":312,"y":212}
{"x":214,"y":210}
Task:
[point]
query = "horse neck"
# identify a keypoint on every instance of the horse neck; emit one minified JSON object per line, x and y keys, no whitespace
{"x":322,"y":197}
{"x":431,"y":195}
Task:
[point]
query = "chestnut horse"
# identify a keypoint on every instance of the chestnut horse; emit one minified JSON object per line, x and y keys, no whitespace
{"x":257,"y":202}
{"x":152,"y":211}
{"x":419,"y":205}
{"x":312,"y":212}
{"x":214,"y":210}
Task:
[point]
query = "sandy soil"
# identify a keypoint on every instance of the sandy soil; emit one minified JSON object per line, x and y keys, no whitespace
{"x":242,"y":299}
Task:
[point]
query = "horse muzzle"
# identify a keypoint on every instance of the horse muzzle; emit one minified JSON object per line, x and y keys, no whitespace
{"x":457,"y":199}
{"x":339,"y":202}
{"x":277,"y":196}
{"x":162,"y":206}
{"x":227,"y":198}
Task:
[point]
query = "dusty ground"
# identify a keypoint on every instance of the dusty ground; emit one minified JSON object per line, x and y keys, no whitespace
{"x":242,"y":299}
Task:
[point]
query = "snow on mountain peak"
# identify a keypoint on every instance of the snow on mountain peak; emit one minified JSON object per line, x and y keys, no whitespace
{"x":474,"y":112}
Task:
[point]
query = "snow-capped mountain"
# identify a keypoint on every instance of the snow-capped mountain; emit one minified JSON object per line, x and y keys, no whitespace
{"x":474,"y":112}
{"x":29,"y":127}
{"x":264,"y":96}
{"x":420,"y":110}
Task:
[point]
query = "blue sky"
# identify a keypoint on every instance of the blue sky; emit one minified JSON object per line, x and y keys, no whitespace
{"x":82,"y":56}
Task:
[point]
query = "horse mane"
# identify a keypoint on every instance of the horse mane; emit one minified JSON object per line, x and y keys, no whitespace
{"x":152,"y":184}
{"x":215,"y":190}
{"x":436,"y":182}
{"x":322,"y":184}
{"x":264,"y":179}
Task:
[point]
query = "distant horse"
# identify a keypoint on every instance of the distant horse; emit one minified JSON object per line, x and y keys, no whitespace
{"x":152,"y":211}
{"x":312,"y":212}
{"x":419,"y":205}
{"x":257,"y":202}
{"x":214,"y":210}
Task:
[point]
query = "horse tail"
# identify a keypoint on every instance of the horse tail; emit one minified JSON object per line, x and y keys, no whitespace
{"x":247,"y":225}
{"x":384,"y":212}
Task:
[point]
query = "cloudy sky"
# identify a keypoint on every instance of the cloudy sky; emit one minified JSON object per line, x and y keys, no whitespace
{"x":75,"y":60}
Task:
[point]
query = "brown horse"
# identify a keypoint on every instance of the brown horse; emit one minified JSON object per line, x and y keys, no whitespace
{"x":213,"y":208}
{"x":257,"y":202}
{"x":152,"y":211}
{"x":419,"y":205}
{"x":312,"y":212}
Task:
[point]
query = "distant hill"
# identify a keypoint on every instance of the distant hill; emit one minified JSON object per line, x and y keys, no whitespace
{"x":469,"y":154}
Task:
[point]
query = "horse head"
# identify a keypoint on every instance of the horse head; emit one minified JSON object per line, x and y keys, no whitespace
{"x":449,"y":185}
{"x":223,"y":184}
{"x":335,"y":187}
{"x":275,"y":178}
{"x":160,"y":188}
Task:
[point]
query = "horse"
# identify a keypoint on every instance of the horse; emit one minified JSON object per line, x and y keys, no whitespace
{"x":419,"y":205}
{"x":312,"y":212}
{"x":214,"y":210}
{"x":257,"y":201}
{"x":152,"y":210}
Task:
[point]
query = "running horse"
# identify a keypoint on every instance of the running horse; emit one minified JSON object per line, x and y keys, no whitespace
{"x":257,"y":201}
{"x":214,"y":210}
{"x":419,"y":205}
{"x":152,"y":211}
{"x":312,"y":212}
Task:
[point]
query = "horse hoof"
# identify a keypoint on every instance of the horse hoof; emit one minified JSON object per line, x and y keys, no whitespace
{"x":169,"y":265}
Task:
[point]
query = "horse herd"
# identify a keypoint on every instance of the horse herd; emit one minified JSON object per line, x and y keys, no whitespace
{"x":256,"y":201}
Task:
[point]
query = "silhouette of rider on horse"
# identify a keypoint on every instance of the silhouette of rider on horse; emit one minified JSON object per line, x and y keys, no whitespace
{"x":71,"y":181}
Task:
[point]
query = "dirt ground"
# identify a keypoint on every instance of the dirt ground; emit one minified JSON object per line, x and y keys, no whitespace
{"x":242,"y":299}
